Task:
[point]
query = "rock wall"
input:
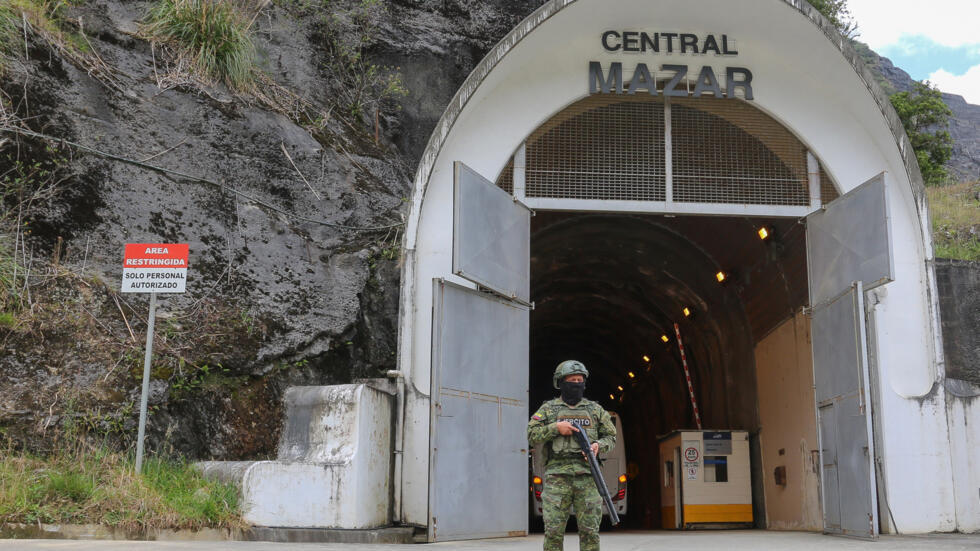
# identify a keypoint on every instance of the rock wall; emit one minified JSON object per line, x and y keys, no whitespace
{"x":959,"y":305}
{"x":281,"y":290}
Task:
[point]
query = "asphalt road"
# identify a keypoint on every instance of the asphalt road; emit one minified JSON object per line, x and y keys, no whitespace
{"x":619,"y":541}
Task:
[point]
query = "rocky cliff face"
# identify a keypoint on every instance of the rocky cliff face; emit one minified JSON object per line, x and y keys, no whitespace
{"x":964,"y":125}
{"x":292,"y":202}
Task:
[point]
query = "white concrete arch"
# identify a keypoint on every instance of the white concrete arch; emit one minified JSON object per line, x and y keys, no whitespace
{"x":807,"y":78}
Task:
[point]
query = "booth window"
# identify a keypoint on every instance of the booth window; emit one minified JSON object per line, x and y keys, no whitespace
{"x":715,"y":468}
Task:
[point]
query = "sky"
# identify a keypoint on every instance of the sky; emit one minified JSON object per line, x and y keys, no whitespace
{"x":934,"y":40}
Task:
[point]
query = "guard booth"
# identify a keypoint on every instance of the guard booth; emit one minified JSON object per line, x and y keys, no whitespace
{"x":706,"y":480}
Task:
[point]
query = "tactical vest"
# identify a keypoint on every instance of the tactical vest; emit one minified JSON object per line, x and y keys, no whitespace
{"x":586,"y":413}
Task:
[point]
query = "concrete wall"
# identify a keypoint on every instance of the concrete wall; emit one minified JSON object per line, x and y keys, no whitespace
{"x":784,"y":375}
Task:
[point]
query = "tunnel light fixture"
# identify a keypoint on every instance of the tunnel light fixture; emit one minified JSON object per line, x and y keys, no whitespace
{"x":620,"y":387}
{"x":646,"y":358}
{"x":720,"y":276}
{"x":664,"y":338}
{"x":611,"y":397}
{"x":687,"y":312}
{"x":632,"y":375}
{"x":763,"y":233}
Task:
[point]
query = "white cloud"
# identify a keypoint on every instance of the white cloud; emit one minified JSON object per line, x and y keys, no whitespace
{"x":947,"y":22}
{"x":966,"y":85}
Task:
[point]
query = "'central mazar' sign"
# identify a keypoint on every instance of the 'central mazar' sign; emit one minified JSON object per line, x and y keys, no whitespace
{"x":676,"y":79}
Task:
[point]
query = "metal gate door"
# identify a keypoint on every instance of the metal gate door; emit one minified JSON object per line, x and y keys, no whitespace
{"x":844,"y":414}
{"x":478,"y":459}
{"x":848,"y":251}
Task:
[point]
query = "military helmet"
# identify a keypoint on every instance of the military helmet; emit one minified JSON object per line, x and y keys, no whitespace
{"x":569,"y":367}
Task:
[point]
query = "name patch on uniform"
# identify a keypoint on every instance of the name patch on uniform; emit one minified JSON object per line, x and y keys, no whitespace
{"x":584,"y":421}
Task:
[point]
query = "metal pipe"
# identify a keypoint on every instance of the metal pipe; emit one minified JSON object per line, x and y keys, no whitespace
{"x":399,"y":441}
{"x":146,"y":383}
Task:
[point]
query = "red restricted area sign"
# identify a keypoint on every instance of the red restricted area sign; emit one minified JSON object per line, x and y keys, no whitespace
{"x":155,"y":268}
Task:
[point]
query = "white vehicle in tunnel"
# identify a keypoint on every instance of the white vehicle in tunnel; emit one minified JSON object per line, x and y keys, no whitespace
{"x":613,"y":472}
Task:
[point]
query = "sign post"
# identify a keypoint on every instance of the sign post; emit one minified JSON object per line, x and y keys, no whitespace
{"x":152,"y":268}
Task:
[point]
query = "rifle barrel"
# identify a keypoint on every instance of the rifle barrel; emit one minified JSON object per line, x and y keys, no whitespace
{"x":600,"y":483}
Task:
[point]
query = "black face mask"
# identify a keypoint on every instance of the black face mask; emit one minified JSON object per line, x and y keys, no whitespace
{"x":571,"y":393}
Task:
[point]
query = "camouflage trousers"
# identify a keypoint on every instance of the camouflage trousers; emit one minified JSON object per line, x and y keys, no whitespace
{"x":562,"y":492}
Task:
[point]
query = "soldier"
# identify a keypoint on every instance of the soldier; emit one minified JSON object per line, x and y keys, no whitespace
{"x":568,"y":481}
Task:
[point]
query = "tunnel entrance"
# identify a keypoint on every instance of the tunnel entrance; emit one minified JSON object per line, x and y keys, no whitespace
{"x":659,"y":221}
{"x":608,"y":289}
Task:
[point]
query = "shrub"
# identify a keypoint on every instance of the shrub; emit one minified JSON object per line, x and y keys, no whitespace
{"x":955,"y":225}
{"x":213,"y":33}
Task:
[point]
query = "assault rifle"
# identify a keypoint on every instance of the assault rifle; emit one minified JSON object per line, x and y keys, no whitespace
{"x":583,"y":441}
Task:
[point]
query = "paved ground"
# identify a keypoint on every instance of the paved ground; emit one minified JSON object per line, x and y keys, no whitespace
{"x":620,"y":541}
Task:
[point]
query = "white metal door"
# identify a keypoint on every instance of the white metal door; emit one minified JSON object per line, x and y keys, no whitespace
{"x":848,"y":251}
{"x":491,"y":236}
{"x":478,"y":459}
{"x":840,"y":373}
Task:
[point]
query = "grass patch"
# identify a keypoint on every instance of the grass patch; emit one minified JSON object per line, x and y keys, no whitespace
{"x":8,"y":29}
{"x":955,"y":213}
{"x":97,"y":486}
{"x":45,"y":17}
{"x":8,"y":36}
{"x":7,"y":320}
{"x":214,"y":34}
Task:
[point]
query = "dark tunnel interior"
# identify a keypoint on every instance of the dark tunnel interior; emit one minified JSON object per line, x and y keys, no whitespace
{"x":608,"y":287}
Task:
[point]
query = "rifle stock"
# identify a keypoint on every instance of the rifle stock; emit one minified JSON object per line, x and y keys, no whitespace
{"x":583,"y":441}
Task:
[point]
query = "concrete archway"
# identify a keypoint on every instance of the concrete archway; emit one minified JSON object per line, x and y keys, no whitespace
{"x":805,"y":77}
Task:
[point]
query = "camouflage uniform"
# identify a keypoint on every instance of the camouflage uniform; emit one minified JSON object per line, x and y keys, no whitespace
{"x":568,"y":480}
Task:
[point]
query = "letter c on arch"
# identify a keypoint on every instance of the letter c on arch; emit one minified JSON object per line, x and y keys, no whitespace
{"x":605,"y":41}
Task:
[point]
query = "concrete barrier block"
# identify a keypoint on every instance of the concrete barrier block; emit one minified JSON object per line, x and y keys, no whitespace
{"x":334,"y":463}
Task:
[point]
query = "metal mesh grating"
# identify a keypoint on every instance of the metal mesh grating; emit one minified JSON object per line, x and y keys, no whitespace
{"x":612,"y":147}
{"x":828,"y":191}
{"x":726,"y":151}
{"x":599,"y":150}
{"x":506,"y":179}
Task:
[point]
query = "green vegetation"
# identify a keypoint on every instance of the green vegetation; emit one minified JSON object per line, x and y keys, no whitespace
{"x":190,"y":379}
{"x":43,"y":17}
{"x":365,"y":86}
{"x":925,"y":118}
{"x":96,"y":486}
{"x":214,"y":34}
{"x":837,"y":12}
{"x":350,"y":27}
{"x":8,"y":33}
{"x":955,"y":211}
